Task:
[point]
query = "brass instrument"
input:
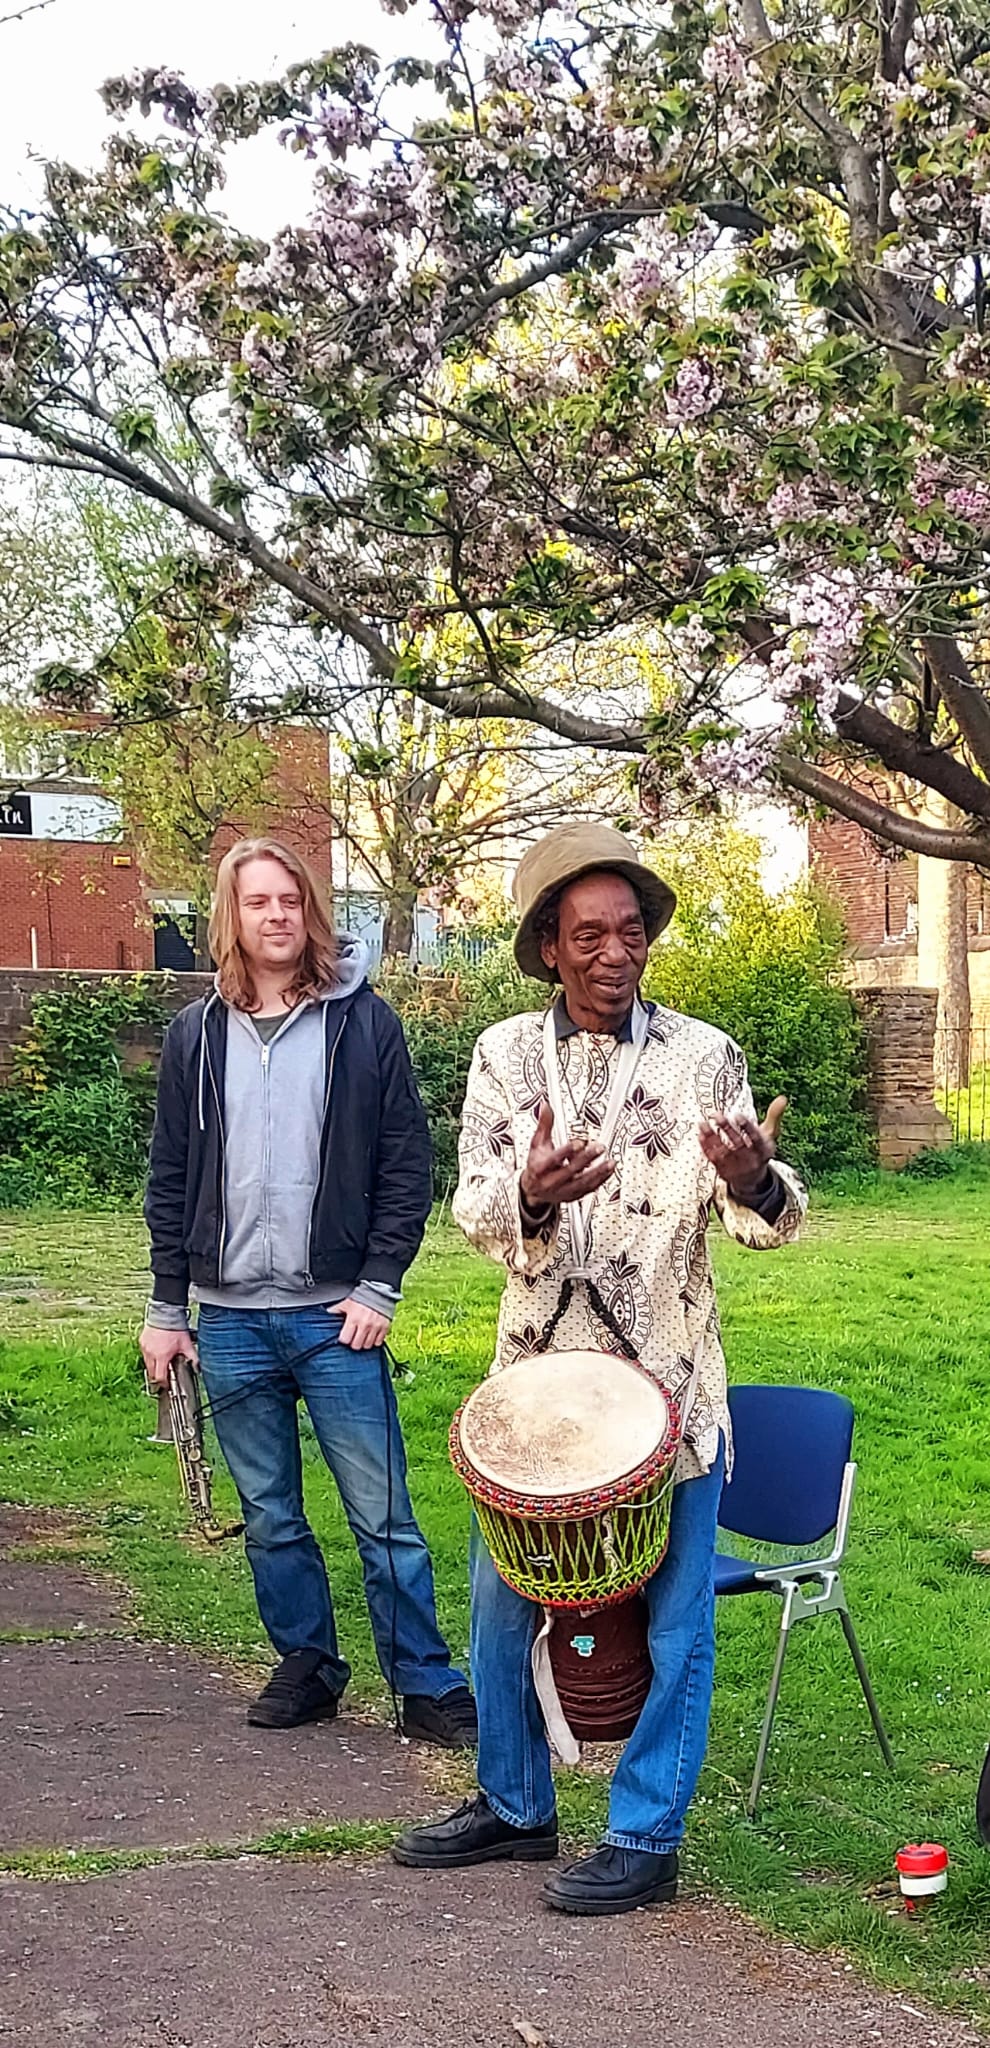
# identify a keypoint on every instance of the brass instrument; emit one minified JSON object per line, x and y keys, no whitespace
{"x":185,"y":1408}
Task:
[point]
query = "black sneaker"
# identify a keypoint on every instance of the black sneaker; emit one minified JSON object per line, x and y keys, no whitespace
{"x":295,"y":1693}
{"x":451,"y":1721}
{"x":474,"y":1834}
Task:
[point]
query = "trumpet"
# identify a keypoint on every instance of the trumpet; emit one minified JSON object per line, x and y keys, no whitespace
{"x":185,"y":1415}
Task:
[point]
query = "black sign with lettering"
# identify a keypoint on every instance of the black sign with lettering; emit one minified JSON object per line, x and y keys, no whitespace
{"x":15,"y":816}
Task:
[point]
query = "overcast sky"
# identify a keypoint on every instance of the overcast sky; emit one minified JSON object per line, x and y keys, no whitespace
{"x":53,"y":63}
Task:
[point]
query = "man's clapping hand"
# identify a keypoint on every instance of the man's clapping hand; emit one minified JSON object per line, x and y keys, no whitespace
{"x":741,"y":1150}
{"x":561,"y":1173}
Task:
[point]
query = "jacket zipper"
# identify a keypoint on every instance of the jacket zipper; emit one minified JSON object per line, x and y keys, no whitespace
{"x":266,"y":1102}
{"x":323,"y":1124}
{"x":223,"y":1164}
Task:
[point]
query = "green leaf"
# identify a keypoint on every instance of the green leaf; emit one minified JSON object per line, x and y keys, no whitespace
{"x":136,"y":428}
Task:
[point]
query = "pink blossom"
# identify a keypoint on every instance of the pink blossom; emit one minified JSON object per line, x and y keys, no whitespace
{"x":642,"y":281}
{"x":696,"y":390}
{"x":929,"y":478}
{"x":970,"y":502}
{"x":723,"y":63}
{"x":736,"y":764}
{"x":792,"y":503}
{"x":925,"y":547}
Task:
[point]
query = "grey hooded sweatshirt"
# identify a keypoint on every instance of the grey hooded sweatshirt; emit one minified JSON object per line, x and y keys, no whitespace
{"x":274,"y":1085}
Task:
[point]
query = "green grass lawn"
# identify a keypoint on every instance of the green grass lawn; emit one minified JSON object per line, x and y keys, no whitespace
{"x":885,"y":1300}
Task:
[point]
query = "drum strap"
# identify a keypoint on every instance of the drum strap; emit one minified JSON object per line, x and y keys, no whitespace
{"x":630,"y":1054}
{"x":602,"y":1311}
{"x":554,"y":1718}
{"x":580,"y":1214}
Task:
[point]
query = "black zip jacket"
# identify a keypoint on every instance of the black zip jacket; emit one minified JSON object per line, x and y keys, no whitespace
{"x":374,"y":1190}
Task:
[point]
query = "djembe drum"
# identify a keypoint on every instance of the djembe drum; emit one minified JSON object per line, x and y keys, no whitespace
{"x":569,"y":1461}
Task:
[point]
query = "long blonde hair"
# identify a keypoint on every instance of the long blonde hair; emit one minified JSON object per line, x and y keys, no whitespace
{"x":316,"y":969}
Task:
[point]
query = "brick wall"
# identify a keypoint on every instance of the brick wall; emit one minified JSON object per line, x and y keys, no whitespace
{"x":17,"y":987}
{"x":876,"y":891}
{"x":85,"y":908}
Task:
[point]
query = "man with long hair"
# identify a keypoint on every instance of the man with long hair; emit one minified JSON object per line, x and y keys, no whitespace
{"x":288,"y":1191}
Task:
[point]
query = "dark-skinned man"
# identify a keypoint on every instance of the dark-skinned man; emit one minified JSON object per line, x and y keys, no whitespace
{"x":685,"y":1139}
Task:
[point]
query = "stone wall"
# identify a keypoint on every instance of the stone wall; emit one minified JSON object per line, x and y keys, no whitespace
{"x":901,"y":972}
{"x":19,"y":984}
{"x":900,"y":1025}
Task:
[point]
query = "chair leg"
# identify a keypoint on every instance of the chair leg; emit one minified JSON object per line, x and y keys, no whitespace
{"x":761,"y":1754}
{"x":863,"y":1676}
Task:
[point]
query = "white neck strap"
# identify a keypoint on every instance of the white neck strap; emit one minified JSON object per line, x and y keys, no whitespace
{"x":625,"y":1068}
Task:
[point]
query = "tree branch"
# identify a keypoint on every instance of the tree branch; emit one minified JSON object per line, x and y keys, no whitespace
{"x":896,"y":27}
{"x":962,"y":697}
{"x":850,"y":158}
{"x":878,"y":818}
{"x":562,"y":259}
{"x":20,"y":13}
{"x":905,"y":754}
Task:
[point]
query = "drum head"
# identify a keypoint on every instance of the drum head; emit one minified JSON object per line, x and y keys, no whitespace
{"x":564,"y":1423}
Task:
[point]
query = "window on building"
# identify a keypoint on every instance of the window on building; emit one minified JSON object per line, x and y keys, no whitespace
{"x":175,"y":935}
{"x":900,"y":901}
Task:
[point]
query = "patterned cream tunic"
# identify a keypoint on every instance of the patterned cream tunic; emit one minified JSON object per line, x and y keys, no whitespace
{"x":648,"y":1244}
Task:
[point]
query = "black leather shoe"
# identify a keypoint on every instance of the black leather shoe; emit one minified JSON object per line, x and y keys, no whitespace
{"x":451,"y":1721}
{"x":474,"y":1834}
{"x":295,"y":1693}
{"x":613,"y":1880}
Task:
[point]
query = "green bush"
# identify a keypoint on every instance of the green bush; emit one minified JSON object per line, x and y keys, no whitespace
{"x":74,"y":1125}
{"x":766,"y":970}
{"x":442,"y":1016}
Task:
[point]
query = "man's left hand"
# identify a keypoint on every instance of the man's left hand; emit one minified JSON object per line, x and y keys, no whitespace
{"x":741,"y":1150}
{"x":364,"y":1329}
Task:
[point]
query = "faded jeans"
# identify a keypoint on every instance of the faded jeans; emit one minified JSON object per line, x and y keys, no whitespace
{"x":256,"y":1364}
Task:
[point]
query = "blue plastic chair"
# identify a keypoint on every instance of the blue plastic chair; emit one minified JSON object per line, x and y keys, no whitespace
{"x":792,"y":1484}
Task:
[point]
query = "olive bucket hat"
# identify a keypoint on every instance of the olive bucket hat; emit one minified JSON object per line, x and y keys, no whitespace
{"x":563,"y":856}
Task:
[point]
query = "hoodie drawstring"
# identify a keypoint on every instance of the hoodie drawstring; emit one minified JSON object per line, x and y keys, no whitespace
{"x":202,"y":1059}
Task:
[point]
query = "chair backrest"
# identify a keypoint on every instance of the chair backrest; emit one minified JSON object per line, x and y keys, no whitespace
{"x":791,"y":1445}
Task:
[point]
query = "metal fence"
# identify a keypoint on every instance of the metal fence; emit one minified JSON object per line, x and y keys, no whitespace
{"x":962,"y":1082}
{"x":454,"y":948}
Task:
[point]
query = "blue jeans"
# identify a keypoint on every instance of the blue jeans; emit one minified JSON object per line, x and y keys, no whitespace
{"x":658,"y":1770}
{"x":256,"y":1364}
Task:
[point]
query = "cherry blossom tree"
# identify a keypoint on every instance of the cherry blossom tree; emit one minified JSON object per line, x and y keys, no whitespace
{"x":605,"y":321}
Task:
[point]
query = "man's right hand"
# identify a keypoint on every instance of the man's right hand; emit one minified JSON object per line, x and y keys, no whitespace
{"x":159,"y":1347}
{"x":560,"y":1173}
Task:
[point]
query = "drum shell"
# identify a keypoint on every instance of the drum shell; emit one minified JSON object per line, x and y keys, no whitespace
{"x":600,"y":1659}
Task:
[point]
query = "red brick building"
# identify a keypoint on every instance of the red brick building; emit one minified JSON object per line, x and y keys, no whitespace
{"x":876,"y":888}
{"x":882,"y":896}
{"x":72,"y":895}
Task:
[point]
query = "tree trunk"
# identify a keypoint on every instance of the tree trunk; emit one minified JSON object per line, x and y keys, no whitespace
{"x":400,"y":927}
{"x":943,"y":946}
{"x":952,"y":1031}
{"x":201,"y":943}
